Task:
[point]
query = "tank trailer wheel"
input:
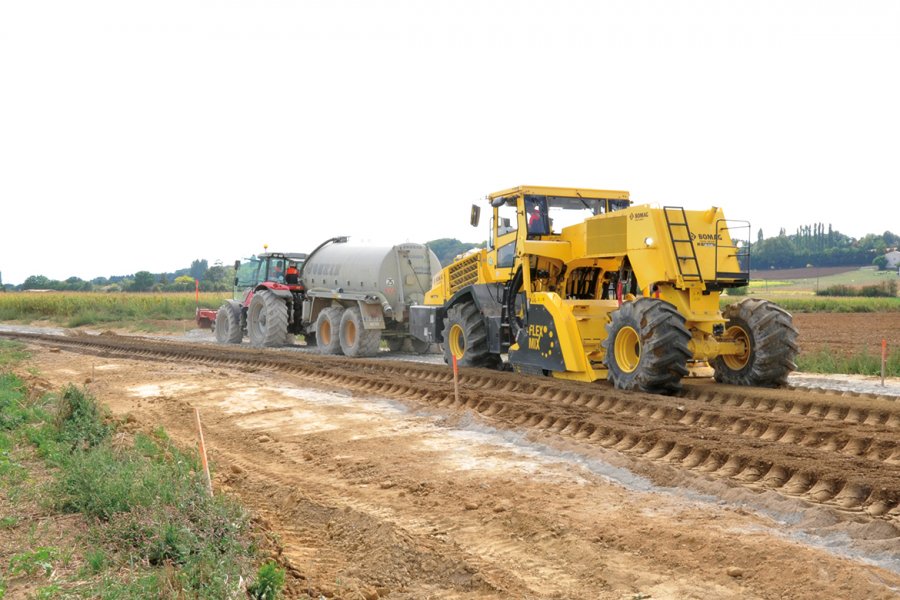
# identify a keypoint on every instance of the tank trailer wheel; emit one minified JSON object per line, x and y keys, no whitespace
{"x":355,"y":339}
{"x":771,"y":339}
{"x":228,"y":324}
{"x":647,"y":347}
{"x":267,"y":320}
{"x":465,"y":336}
{"x":328,"y":327}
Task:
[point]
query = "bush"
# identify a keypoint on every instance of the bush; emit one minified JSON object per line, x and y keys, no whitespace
{"x":885,"y":289}
{"x":80,"y":423}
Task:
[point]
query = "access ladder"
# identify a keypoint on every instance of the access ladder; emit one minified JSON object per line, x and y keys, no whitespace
{"x":682,"y":244}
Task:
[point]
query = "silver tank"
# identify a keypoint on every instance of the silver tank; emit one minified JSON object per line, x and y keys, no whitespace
{"x":399,"y":274}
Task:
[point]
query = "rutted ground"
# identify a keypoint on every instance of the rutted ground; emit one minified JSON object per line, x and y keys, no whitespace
{"x":378,"y":483}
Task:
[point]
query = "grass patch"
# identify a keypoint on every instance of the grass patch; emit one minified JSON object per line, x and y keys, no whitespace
{"x":861,"y":363}
{"x":153,"y":529}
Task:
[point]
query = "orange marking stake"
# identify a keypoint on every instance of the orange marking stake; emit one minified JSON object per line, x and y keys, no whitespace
{"x":203,"y":460}
{"x":455,"y":379}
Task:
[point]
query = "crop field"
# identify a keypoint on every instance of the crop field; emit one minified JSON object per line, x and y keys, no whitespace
{"x":74,"y":309}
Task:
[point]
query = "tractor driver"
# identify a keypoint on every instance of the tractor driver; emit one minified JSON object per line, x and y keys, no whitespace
{"x":537,"y":223}
{"x":278,"y":271}
{"x":291,"y":274}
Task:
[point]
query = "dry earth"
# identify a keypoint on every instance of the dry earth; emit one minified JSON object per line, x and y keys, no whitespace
{"x":378,"y":483}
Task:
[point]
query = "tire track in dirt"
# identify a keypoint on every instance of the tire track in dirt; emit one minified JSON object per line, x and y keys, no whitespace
{"x":840,"y":451}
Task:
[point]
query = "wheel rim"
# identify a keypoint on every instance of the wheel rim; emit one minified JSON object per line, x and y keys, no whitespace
{"x":350,"y":333}
{"x":628,"y":349}
{"x":325,"y":333}
{"x":457,"y":341}
{"x":736,"y":362}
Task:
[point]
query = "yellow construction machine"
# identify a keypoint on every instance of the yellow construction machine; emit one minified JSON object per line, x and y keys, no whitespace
{"x":581,"y":284}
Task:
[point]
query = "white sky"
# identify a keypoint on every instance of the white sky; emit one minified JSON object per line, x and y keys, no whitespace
{"x":142,"y":135}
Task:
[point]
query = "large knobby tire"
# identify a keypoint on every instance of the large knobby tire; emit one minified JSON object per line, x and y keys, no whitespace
{"x":228,"y":324}
{"x":647,"y":346}
{"x":267,"y":320}
{"x":769,"y":334}
{"x":356,"y":340}
{"x":465,"y":336}
{"x":328,"y":327}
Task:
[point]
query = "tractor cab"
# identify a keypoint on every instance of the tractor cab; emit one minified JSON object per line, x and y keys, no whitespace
{"x":269,"y":270}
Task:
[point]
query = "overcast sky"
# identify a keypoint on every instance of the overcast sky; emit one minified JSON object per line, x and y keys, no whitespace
{"x":142,"y":135}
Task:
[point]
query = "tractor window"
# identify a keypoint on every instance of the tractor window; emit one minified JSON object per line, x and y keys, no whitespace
{"x":277,"y":271}
{"x":247,"y":272}
{"x":564,"y":212}
{"x":618,"y":204}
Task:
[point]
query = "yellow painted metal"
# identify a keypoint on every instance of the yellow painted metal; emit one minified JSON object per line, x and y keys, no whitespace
{"x":737,"y":360}
{"x":627,"y":347}
{"x":457,"y":341}
{"x":599,"y":245}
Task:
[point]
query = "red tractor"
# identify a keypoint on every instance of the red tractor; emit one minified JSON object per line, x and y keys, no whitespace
{"x":270,"y":307}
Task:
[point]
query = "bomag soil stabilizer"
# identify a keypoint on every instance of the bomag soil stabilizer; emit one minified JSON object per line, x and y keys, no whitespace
{"x":580,"y":284}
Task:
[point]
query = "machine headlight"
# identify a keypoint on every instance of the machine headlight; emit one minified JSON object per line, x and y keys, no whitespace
{"x":648,"y":241}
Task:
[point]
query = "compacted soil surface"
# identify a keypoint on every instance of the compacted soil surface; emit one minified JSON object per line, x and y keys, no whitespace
{"x":379,"y":480}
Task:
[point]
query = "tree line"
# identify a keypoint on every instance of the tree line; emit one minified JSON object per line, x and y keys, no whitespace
{"x":819,"y":246}
{"x":214,"y":278}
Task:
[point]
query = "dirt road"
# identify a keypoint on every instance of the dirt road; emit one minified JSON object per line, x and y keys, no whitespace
{"x":379,"y":483}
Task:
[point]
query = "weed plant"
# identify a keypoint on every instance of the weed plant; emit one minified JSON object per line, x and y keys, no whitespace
{"x":156,"y":532}
{"x":861,"y":363}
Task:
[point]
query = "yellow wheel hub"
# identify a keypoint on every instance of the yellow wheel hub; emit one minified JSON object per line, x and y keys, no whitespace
{"x":628,"y":349}
{"x":457,"y":341}
{"x":736,"y":362}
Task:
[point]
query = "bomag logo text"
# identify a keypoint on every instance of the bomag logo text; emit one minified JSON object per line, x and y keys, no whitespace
{"x":639,"y":215}
{"x":704,"y":237}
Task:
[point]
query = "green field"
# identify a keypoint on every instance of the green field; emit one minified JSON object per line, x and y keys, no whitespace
{"x":141,"y":311}
{"x":799,"y":295}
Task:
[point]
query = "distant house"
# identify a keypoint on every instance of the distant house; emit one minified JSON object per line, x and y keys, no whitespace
{"x":893,"y":259}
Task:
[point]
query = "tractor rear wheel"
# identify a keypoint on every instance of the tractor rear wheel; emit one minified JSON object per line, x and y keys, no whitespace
{"x":228,"y":323}
{"x":356,"y":340}
{"x":770,"y":337}
{"x":267,"y":320}
{"x":647,"y":347}
{"x":465,"y":337}
{"x":328,"y":327}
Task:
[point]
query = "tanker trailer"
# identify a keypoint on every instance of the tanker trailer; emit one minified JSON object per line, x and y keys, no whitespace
{"x":358,"y":295}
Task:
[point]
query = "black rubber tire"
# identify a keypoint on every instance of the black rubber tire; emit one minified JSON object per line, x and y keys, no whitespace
{"x":328,"y":327}
{"x":474,"y":344}
{"x":267,"y":320}
{"x":773,"y":344}
{"x":419,"y":346}
{"x":356,"y":340}
{"x":394,"y":344}
{"x":662,"y":346}
{"x":228,"y":323}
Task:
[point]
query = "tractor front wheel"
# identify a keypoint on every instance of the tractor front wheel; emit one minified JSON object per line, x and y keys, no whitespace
{"x":267,"y":320}
{"x":228,"y":323}
{"x":647,"y":347}
{"x":770,"y":345}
